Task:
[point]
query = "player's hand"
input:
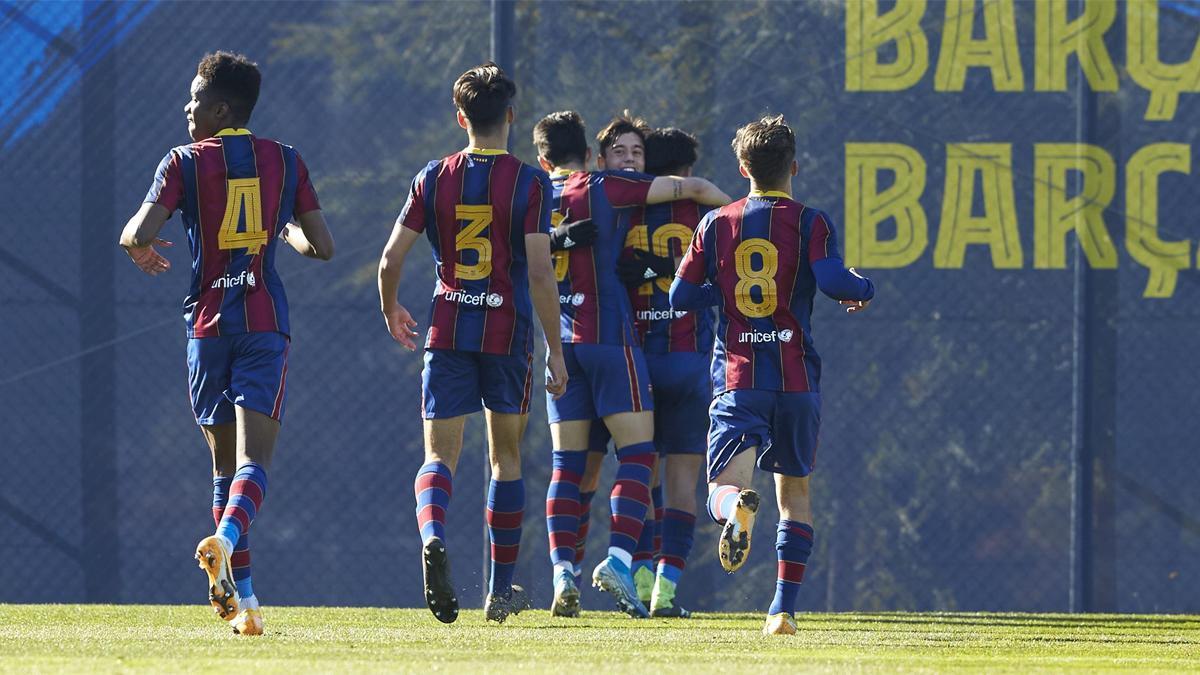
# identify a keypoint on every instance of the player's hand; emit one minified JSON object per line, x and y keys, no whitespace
{"x":400,"y":324}
{"x":556,"y":374}
{"x":573,"y":235}
{"x":149,"y":260}
{"x":643,"y":267}
{"x":855,"y":306}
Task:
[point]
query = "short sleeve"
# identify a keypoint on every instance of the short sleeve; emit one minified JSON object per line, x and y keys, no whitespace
{"x":412,"y":215}
{"x":537,"y":216}
{"x":626,"y":188}
{"x":694,"y":267}
{"x":822,"y":241}
{"x":306,"y":194}
{"x":167,"y":189}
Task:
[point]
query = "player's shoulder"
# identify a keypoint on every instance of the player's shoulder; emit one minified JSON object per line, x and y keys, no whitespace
{"x":622,"y":175}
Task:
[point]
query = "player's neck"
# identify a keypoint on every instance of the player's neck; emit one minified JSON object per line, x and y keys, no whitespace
{"x":786,"y":188}
{"x":495,"y":141}
{"x":570,"y":167}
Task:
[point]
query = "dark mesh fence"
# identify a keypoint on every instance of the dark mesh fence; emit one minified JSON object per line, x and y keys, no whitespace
{"x":948,"y":141}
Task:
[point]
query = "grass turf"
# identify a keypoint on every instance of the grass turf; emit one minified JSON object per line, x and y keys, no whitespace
{"x":301,"y":639}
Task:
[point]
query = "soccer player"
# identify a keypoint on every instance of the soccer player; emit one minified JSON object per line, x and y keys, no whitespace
{"x":607,"y":370}
{"x":487,"y":217}
{"x":238,"y":195}
{"x":677,"y":346}
{"x":761,"y":260}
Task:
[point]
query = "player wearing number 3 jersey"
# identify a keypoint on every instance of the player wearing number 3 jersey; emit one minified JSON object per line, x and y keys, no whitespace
{"x":487,"y":218}
{"x":238,"y":195}
{"x":761,"y":260}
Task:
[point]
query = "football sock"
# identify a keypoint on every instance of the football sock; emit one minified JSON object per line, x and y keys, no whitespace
{"x":630,"y":498}
{"x":656,"y":499}
{"x":246,"y":494}
{"x":240,"y":560}
{"x":648,"y":544}
{"x":793,"y":543}
{"x":722,"y":501}
{"x":433,"y":487}
{"x":562,"y":506}
{"x":505,"y":510}
{"x":585,"y":522}
{"x":678,"y":529}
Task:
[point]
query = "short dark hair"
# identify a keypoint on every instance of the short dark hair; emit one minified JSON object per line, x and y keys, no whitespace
{"x":234,"y":78}
{"x":560,"y":138}
{"x":483,"y":94}
{"x":767,"y":148}
{"x":669,"y":151}
{"x":619,"y":126}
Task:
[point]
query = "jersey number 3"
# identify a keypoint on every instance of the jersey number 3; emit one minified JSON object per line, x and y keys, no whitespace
{"x":760,"y":277}
{"x":470,"y":237}
{"x":244,"y":200}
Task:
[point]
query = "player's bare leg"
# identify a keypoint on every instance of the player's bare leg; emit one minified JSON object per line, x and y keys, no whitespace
{"x":795,"y":511}
{"x":633,"y":436}
{"x":681,"y":473}
{"x":504,"y":451}
{"x":443,"y":446}
{"x":732,"y":502}
{"x":570,"y":442}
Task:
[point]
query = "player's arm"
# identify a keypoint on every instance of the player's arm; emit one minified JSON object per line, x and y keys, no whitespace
{"x":311,"y":237}
{"x":824,"y":255}
{"x":391,"y":265}
{"x":691,"y":289}
{"x":686,"y":296}
{"x":141,"y":234}
{"x":543,"y":288}
{"x":673,"y":188}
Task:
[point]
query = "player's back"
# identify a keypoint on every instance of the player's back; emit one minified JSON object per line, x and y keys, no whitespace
{"x":236,"y":192}
{"x":594,"y":307}
{"x":759,"y":253}
{"x":665,"y":230}
{"x":476,"y":208}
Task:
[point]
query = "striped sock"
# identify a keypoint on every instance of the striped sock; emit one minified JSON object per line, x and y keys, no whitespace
{"x":630,"y":498}
{"x":505,"y":510}
{"x":721,"y":502}
{"x":656,"y":498}
{"x":678,"y":528}
{"x":241,"y":553}
{"x":651,"y":540}
{"x":793,"y":543}
{"x":562,"y":506}
{"x":585,"y":522}
{"x":246,"y":494}
{"x":433,"y":488}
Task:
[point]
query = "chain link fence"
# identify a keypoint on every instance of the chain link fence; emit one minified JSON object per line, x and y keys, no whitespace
{"x":996,"y":370}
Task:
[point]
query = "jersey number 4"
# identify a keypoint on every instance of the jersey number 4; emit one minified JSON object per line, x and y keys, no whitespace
{"x":244,"y":201}
{"x":471,"y":238}
{"x":760,"y":277}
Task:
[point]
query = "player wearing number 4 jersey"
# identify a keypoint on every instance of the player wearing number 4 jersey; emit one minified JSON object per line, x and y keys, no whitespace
{"x":608,"y":377}
{"x":761,"y":260}
{"x":238,"y":195}
{"x":487,"y":218}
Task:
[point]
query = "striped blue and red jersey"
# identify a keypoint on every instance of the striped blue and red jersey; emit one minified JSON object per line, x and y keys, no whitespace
{"x":235,"y":193}
{"x":759,"y":253}
{"x":665,"y":230}
{"x":594,"y":306}
{"x":476,"y":207}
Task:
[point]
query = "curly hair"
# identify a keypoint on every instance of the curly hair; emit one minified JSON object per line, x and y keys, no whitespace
{"x":234,"y":78}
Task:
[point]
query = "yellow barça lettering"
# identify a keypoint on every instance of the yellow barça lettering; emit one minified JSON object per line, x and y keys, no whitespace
{"x":1059,"y":208}
{"x":761,"y":277}
{"x":471,"y":238}
{"x":1057,"y":38}
{"x":243,"y":200}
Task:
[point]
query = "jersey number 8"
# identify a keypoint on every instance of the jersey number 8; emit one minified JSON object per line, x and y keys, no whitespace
{"x":761,"y":277}
{"x":478,"y":217}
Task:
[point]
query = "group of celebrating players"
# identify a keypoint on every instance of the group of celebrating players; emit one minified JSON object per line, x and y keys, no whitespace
{"x":621,"y":266}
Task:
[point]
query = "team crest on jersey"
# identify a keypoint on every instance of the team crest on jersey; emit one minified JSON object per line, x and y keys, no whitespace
{"x":474,"y":299}
{"x":577,"y":299}
{"x":785,"y":335}
{"x":495,"y":300}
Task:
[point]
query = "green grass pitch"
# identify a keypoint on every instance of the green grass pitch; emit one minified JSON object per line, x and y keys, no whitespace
{"x":304,"y":639}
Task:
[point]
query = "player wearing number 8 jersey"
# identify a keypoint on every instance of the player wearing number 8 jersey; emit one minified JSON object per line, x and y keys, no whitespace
{"x":761,"y":259}
{"x":487,"y":218}
{"x":237,"y":195}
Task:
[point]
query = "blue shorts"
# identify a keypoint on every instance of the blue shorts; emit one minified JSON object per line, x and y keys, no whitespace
{"x":603,"y":380}
{"x":682,"y":389}
{"x":455,"y":383}
{"x":782,"y":425}
{"x":246,"y":369}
